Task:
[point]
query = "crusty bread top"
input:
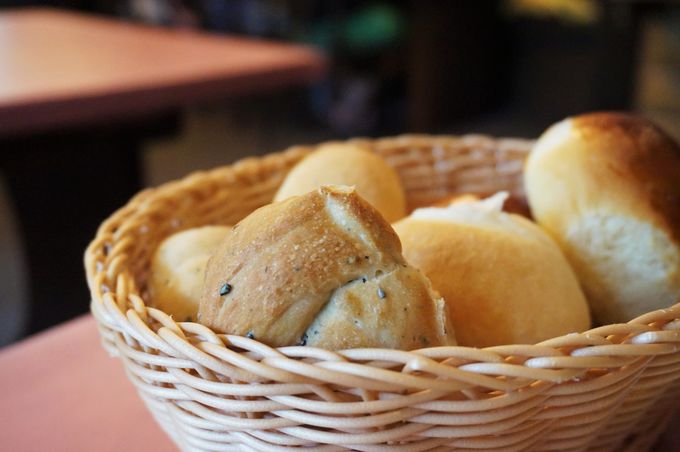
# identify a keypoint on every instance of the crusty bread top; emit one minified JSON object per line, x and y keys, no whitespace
{"x":283,"y":262}
{"x":619,"y":162}
{"x":485,"y":214}
{"x":513,"y":203}
{"x":348,"y":164}
{"x":644,"y":154}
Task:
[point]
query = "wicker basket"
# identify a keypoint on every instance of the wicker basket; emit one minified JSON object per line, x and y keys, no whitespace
{"x":611,"y":388}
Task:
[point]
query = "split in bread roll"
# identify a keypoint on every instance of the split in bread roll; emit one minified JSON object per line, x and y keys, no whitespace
{"x":348,"y":164}
{"x":322,"y":269}
{"x":606,"y":186}
{"x":178,"y":270}
{"x":505,"y":281}
{"x":512,"y":204}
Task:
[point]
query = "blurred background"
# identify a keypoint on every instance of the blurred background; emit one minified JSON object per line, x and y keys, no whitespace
{"x":506,"y":68}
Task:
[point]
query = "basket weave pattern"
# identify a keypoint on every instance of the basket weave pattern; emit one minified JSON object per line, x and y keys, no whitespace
{"x":611,"y":388}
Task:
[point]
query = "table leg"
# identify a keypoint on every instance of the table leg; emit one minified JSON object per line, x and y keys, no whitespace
{"x":62,"y":186}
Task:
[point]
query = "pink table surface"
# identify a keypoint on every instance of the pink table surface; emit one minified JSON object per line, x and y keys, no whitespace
{"x":60,"y":391}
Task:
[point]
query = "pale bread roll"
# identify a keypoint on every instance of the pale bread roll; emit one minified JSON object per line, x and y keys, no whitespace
{"x":348,"y":164}
{"x":504,"y":280}
{"x":178,"y":270}
{"x":512,"y":204}
{"x":322,"y":269}
{"x":607,"y":187}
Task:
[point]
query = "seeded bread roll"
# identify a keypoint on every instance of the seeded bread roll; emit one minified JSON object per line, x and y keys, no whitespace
{"x":178,"y":270}
{"x":322,"y":269}
{"x":504,"y":280}
{"x":606,"y":186}
{"x":348,"y":164}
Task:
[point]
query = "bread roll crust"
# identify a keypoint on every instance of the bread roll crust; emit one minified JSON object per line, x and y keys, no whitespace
{"x":178,"y":270}
{"x":401,"y":297}
{"x":284,"y":262}
{"x":513,"y":204}
{"x":640,"y":159}
{"x":348,"y":164}
{"x":607,"y":187}
{"x":504,"y":280}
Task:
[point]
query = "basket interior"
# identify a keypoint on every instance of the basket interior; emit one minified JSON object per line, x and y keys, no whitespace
{"x":430,"y":169}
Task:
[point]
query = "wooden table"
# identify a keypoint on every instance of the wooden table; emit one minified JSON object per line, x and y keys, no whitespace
{"x":62,"y":68}
{"x":78,"y":96}
{"x":62,"y":392}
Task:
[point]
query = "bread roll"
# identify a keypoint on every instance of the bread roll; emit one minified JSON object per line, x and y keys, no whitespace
{"x":607,"y":187}
{"x":504,"y":280}
{"x":348,"y":164}
{"x":322,"y":269}
{"x":513,"y":203}
{"x":178,"y":269}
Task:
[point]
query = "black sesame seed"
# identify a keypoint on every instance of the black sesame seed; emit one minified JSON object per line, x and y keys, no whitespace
{"x":225,"y":289}
{"x":363,"y":280}
{"x":303,"y":340}
{"x":381,"y":293}
{"x":250,"y":335}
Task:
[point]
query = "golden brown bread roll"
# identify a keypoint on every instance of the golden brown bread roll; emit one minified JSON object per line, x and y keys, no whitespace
{"x":322,"y":269}
{"x":178,"y":269}
{"x":606,"y":186}
{"x":348,"y":164}
{"x":504,"y":280}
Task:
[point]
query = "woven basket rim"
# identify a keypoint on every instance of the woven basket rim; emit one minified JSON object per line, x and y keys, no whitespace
{"x":555,"y":360}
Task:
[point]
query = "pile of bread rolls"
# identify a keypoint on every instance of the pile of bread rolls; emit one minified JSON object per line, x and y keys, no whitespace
{"x":335,"y":262}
